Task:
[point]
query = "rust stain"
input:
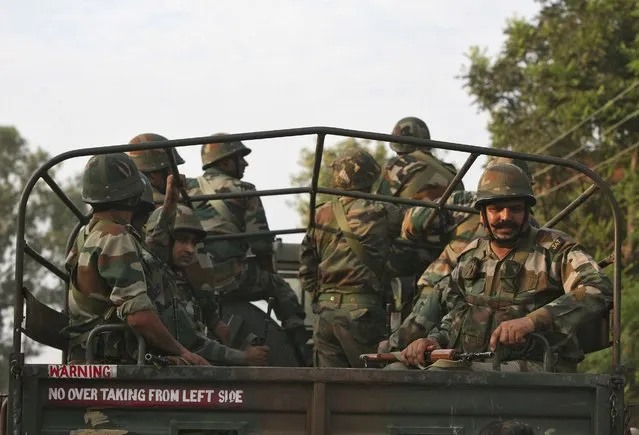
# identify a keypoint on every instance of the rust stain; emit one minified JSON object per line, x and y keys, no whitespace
{"x":99,"y":432}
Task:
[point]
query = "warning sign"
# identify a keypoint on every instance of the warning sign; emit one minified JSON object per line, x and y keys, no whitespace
{"x":146,"y":397}
{"x":80,"y":371}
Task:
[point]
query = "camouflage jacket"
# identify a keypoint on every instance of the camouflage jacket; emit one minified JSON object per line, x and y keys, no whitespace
{"x":459,"y":229}
{"x":230,"y":216}
{"x":416,"y":175}
{"x":107,"y":279}
{"x":548,"y":278}
{"x":158,"y":197}
{"x":328,"y":262}
{"x":179,"y":302}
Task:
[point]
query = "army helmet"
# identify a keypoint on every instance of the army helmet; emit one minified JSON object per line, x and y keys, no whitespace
{"x":409,"y":126}
{"x":146,"y":199}
{"x":503,"y":181}
{"x":110,"y":178}
{"x":355,"y":169}
{"x":214,"y":152}
{"x":185,"y":220}
{"x":521,"y":164}
{"x":152,"y":160}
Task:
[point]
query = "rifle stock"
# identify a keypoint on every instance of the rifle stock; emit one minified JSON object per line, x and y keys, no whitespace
{"x":431,"y":356}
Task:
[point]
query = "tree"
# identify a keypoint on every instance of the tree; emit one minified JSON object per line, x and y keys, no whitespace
{"x":307,"y":160}
{"x":48,"y":224}
{"x":565,"y":84}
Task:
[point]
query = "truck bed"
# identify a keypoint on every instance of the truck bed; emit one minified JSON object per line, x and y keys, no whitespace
{"x":228,"y":400}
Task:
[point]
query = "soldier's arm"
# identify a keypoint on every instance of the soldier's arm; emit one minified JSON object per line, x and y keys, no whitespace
{"x":588,"y":292}
{"x":255,"y":221}
{"x":453,"y":303}
{"x":309,"y":264}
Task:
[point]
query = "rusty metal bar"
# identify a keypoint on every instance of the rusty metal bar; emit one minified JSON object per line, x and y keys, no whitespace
{"x":451,"y":188}
{"x":319,"y":151}
{"x":46,"y":263}
{"x":63,"y":197}
{"x":572,"y":206}
{"x":235,"y":236}
{"x":252,"y":193}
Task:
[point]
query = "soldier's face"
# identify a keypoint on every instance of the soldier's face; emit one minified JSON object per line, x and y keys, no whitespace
{"x":506,"y":219}
{"x":183,"y":253}
{"x":241,"y":166}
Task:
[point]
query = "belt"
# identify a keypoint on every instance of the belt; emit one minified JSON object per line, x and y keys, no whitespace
{"x":339,"y":299}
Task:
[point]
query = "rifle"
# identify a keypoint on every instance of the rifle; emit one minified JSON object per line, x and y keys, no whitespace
{"x":157,"y":361}
{"x":430,"y":356}
{"x":177,"y":179}
{"x":261,"y":341}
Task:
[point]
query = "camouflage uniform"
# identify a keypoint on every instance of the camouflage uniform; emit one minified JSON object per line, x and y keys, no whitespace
{"x":460,"y":229}
{"x":414,"y":173}
{"x":236,"y":275}
{"x":546,"y":277}
{"x":175,"y":297}
{"x":153,"y":160}
{"x":105,"y":264}
{"x":346,"y":279}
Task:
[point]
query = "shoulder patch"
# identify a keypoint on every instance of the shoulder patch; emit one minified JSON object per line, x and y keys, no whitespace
{"x":556,"y":244}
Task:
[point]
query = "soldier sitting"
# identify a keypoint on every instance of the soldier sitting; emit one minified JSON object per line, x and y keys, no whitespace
{"x":178,"y":247}
{"x":108,"y":281}
{"x":515,"y":281}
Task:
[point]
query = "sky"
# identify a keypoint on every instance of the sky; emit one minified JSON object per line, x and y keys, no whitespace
{"x":76,"y":74}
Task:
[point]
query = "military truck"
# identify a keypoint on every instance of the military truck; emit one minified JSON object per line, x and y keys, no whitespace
{"x":57,"y":398}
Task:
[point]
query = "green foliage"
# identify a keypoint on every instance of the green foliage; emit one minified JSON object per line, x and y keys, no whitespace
{"x":307,"y":160}
{"x":48,"y":225}
{"x":565,"y":84}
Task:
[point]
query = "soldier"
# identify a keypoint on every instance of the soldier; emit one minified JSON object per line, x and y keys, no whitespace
{"x":517,"y":280}
{"x":154,"y":163}
{"x":414,"y":173}
{"x":462,"y":229}
{"x":108,"y":281}
{"x":343,"y":262}
{"x":239,"y":276}
{"x":174,"y":236}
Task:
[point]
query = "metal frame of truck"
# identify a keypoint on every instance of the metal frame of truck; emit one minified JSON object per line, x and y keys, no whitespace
{"x":327,"y":400}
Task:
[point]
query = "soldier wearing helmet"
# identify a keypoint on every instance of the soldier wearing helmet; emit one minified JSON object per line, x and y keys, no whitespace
{"x":154,"y":163}
{"x":344,"y":262}
{"x":516,"y":280}
{"x":174,"y":233}
{"x":459,"y":230}
{"x":239,"y":275}
{"x":414,"y":173}
{"x":109,"y":280}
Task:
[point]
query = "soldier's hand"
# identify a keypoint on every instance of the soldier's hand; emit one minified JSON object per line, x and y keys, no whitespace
{"x":414,"y":352}
{"x":193,"y":359}
{"x":512,"y":332}
{"x":257,"y":355}
{"x":172,"y":195}
{"x":383,"y":346}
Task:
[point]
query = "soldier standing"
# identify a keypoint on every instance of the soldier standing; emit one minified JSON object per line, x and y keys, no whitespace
{"x":414,"y":173}
{"x":108,"y":282}
{"x":343,"y":262}
{"x":237,"y":275}
{"x":154,"y":163}
{"x":515,"y":281}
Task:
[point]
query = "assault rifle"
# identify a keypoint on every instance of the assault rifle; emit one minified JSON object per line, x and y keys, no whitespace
{"x":430,"y":356}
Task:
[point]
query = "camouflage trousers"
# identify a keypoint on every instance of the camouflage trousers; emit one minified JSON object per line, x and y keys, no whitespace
{"x":254,"y":283}
{"x":341,"y":335}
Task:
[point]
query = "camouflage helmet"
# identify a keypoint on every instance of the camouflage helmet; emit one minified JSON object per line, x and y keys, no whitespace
{"x":521,"y":164}
{"x":185,"y":220}
{"x":110,"y":178}
{"x":214,"y":152}
{"x":152,"y":160}
{"x":503,"y":181}
{"x":355,"y":169}
{"x":146,"y":199}
{"x":409,"y":126}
